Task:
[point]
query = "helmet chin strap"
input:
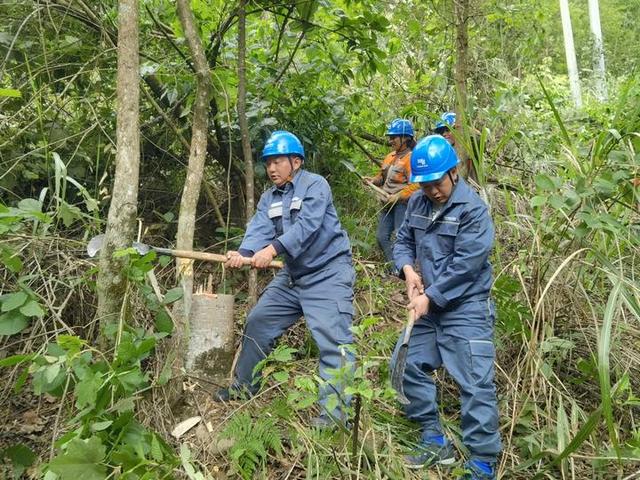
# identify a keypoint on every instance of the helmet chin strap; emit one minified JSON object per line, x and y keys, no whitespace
{"x":294,"y":171}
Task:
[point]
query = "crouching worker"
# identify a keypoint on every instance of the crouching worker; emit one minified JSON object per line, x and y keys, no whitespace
{"x":448,"y":233}
{"x":296,"y":218}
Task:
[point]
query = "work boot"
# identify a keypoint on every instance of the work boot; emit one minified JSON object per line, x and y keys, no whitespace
{"x":232,"y":393}
{"x":478,"y":470}
{"x":434,"y":450}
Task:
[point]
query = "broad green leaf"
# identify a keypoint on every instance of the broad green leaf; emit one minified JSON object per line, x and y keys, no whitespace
{"x":87,"y":389}
{"x":13,"y":301}
{"x":545,"y":183}
{"x":281,"y":376}
{"x":32,"y":309}
{"x":11,"y":260}
{"x":21,"y":457}
{"x":10,"y":92}
{"x":20,"y":381}
{"x":124,"y":252}
{"x":69,"y":213}
{"x":12,"y":323}
{"x":30,"y":205}
{"x":14,"y":360}
{"x":71,"y":343}
{"x":51,"y":372}
{"x":165,"y":374}
{"x":126,"y":404}
{"x":156,"y":450}
{"x":81,"y":460}
{"x":538,"y":201}
{"x":132,"y":380}
{"x":99,"y":426}
{"x":163,"y":322}
{"x":173,"y":295}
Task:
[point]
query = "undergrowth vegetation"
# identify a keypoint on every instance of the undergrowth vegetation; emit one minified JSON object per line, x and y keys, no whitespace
{"x":562,"y":185}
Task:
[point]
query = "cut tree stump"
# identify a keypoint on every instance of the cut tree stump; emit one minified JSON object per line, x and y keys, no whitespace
{"x":211,"y":336}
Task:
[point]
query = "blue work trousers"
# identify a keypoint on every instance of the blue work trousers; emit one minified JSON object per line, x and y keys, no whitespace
{"x":388,"y":224}
{"x":462,"y":342}
{"x":325,"y":298}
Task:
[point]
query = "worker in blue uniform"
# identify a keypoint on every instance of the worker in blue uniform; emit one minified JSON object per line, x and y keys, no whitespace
{"x":296,"y":218}
{"x":442,"y":252}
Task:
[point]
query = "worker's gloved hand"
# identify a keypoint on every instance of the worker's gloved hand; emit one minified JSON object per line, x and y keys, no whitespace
{"x":413,"y":282}
{"x":263,"y":258}
{"x":420,"y":305}
{"x":234,"y":260}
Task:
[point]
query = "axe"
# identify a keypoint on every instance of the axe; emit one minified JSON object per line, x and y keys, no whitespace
{"x":397,"y":370}
{"x":95,"y":244}
{"x":377,"y":190}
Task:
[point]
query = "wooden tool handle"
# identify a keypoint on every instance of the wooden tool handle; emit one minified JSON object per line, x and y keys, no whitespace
{"x":377,"y":189}
{"x":407,"y":331}
{"x":209,"y":257}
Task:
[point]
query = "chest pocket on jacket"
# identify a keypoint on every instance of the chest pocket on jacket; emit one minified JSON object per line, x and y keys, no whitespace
{"x":418,"y":224}
{"x":294,"y":209}
{"x":445,"y":237}
{"x":275,"y":214}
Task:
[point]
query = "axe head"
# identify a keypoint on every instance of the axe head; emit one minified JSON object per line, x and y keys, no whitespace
{"x":96,"y":243}
{"x":397,"y":374}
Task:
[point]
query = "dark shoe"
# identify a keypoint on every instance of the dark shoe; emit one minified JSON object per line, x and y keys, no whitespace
{"x":231,"y":394}
{"x":429,"y":454}
{"x":478,"y":470}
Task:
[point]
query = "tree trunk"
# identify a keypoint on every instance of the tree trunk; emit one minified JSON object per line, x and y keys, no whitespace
{"x":193,"y":181}
{"x":461,"y":12}
{"x":572,"y":64}
{"x":598,"y":51}
{"x":112,"y":284}
{"x":244,"y":131}
{"x":469,"y":162}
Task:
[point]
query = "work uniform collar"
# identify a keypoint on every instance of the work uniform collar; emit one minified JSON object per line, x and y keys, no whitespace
{"x":293,"y":183}
{"x":459,"y":194}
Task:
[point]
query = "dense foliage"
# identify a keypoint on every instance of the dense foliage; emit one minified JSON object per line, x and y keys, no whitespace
{"x":562,"y":183}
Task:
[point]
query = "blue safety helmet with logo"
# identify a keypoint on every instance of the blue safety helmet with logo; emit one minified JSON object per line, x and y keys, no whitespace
{"x":431,"y":159}
{"x":400,"y":126}
{"x":282,"y":142}
{"x":447,"y":119}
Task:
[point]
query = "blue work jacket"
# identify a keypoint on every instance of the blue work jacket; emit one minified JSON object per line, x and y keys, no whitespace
{"x":452,"y":251}
{"x":299,"y":219}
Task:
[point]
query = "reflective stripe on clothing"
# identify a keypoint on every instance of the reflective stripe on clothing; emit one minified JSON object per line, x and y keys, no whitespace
{"x":302,"y":218}
{"x":452,"y":251}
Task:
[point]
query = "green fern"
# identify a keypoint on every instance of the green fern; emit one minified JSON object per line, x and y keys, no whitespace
{"x":253,"y":440}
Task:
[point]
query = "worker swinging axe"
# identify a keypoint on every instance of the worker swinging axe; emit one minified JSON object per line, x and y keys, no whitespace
{"x":96,"y":243}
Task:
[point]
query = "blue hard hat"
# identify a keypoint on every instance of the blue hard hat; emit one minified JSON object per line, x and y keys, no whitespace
{"x":400,"y":126}
{"x":282,"y":142}
{"x":431,"y":159}
{"x":447,"y":119}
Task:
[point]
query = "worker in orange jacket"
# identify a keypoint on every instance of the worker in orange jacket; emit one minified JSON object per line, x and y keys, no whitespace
{"x":393,"y":178}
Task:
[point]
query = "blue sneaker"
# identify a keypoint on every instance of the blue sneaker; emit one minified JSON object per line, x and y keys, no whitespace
{"x":478,"y":470}
{"x":434,"y":450}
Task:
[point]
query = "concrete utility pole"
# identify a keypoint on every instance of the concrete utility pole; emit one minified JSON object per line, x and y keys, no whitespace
{"x":572,"y":64}
{"x":598,"y":51}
